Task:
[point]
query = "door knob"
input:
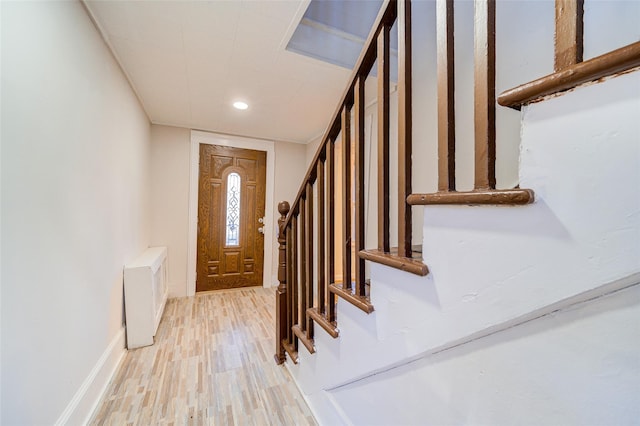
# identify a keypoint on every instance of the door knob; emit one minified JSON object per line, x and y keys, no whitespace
{"x":261,"y":230}
{"x":261,"y":220}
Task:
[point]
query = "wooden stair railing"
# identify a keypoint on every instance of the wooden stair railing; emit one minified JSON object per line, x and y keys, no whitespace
{"x":296,"y":307}
{"x":570,"y":70}
{"x":484,"y":191}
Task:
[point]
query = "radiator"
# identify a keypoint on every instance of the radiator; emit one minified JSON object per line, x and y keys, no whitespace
{"x":145,"y":295}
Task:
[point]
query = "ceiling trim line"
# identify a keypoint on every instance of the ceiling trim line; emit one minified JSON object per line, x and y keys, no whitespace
{"x":107,"y":42}
{"x":218,"y":132}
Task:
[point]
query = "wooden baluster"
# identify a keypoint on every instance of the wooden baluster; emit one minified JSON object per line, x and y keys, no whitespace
{"x":404,"y":127}
{"x":321,"y":286}
{"x":295,"y":301}
{"x":359,"y":105}
{"x":309,"y":259}
{"x":302,"y":323}
{"x":384,"y":78}
{"x":569,"y":33}
{"x":290,"y":281}
{"x":331,"y":228}
{"x":281,"y":293}
{"x":485,"y":93}
{"x":346,"y":197}
{"x":446,"y":103}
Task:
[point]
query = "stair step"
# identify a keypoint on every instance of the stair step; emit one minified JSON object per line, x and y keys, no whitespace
{"x":413,"y":265}
{"x":291,"y":350}
{"x":321,"y":319}
{"x":302,"y":336}
{"x":362,"y":303}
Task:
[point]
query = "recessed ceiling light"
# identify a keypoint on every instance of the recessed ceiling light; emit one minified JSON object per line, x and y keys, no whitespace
{"x":240,"y":105}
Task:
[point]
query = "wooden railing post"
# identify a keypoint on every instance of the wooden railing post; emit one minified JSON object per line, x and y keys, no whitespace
{"x":446,"y":97}
{"x":405,"y":125}
{"x":346,"y":198}
{"x":384,"y":79}
{"x":281,"y":293}
{"x":322,"y":283}
{"x":569,"y":33}
{"x":331,"y":228}
{"x":358,"y":214}
{"x":309,"y":256}
{"x":485,"y":93}
{"x":295,"y":278}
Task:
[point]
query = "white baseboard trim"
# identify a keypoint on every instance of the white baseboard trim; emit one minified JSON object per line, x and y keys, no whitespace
{"x":86,"y":399}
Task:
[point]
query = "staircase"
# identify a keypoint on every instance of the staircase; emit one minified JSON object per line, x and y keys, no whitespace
{"x":324,"y":235}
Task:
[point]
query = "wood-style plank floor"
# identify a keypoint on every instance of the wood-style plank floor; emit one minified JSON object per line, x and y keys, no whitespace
{"x":211,"y":363}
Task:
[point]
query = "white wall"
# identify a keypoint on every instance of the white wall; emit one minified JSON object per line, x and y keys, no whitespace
{"x":494,"y":268}
{"x":75,"y":154}
{"x":170,"y":195}
{"x":600,"y":17}
{"x":170,"y":200}
{"x":577,"y":366}
{"x":290,"y":169}
{"x":311,"y":148}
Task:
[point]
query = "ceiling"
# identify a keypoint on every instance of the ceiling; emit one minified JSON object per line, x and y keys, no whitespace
{"x":188,"y":61}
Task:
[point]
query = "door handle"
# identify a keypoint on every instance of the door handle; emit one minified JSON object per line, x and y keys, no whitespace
{"x":261,"y":230}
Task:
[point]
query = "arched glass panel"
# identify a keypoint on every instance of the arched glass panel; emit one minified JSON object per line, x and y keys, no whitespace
{"x":233,"y":209}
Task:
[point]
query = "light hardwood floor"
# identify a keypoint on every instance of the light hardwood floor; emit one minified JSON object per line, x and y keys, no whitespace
{"x":212,"y":363}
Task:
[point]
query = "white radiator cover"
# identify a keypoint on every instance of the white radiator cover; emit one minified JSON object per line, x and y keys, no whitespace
{"x":145,"y":295}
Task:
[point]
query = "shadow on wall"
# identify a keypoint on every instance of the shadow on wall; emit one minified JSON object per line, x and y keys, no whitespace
{"x":535,"y":219}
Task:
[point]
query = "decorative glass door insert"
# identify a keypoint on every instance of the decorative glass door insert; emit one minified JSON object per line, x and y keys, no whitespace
{"x":233,"y":209}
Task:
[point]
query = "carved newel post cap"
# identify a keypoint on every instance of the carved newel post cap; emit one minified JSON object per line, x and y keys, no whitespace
{"x":283,"y":207}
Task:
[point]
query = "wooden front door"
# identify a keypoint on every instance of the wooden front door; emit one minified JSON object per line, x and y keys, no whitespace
{"x":231,"y":199}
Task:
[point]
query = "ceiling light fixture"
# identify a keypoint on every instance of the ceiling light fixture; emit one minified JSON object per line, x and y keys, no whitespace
{"x":240,"y":105}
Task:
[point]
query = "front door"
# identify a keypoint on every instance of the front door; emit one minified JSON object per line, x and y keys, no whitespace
{"x":231,"y":199}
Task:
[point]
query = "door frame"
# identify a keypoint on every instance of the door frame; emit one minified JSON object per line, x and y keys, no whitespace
{"x":199,"y":137}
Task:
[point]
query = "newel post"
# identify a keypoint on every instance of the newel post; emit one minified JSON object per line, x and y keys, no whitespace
{"x":281,"y":293}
